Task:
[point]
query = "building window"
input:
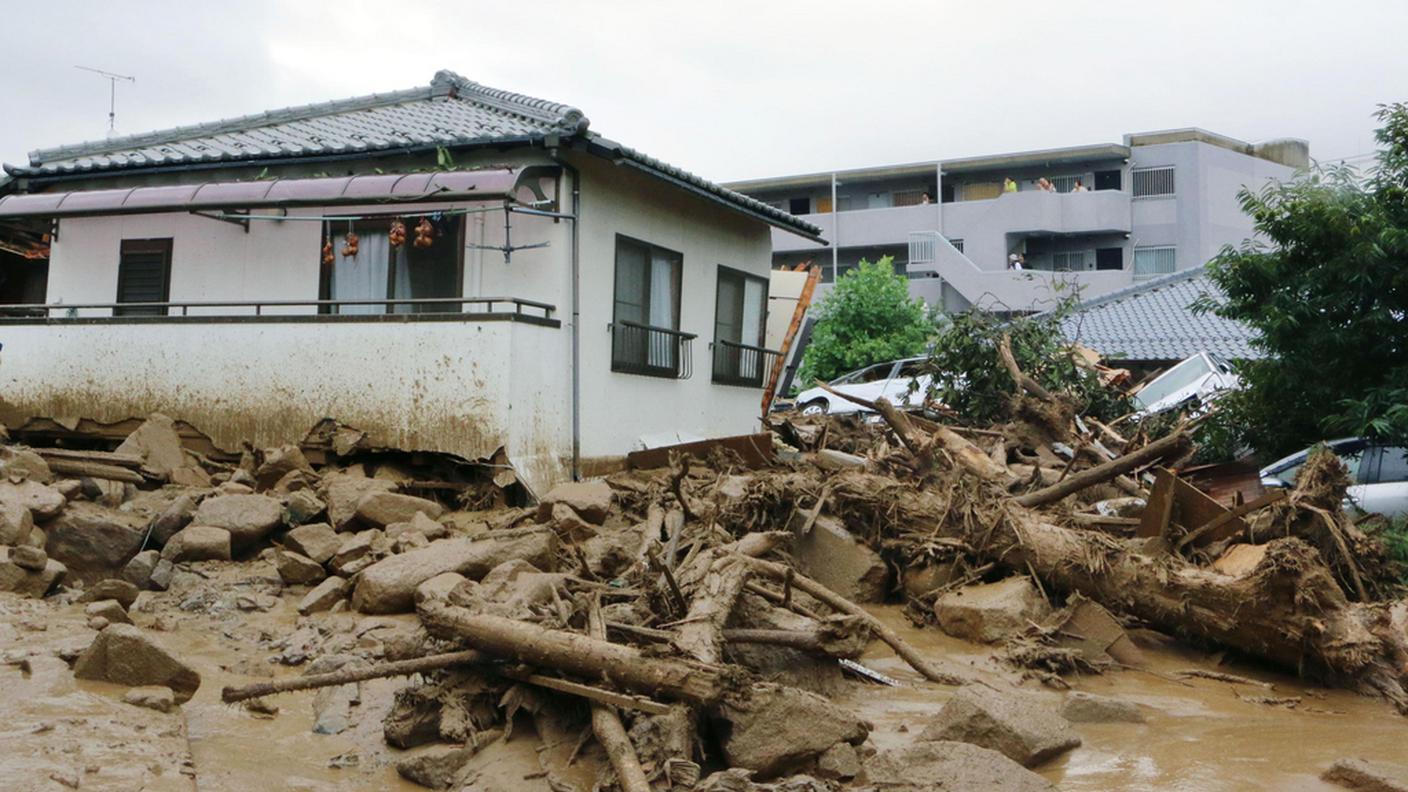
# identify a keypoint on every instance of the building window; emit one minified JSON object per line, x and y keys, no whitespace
{"x":1072,"y":261}
{"x":143,"y":276}
{"x":1065,"y":184}
{"x":980,"y":191}
{"x":957,"y":244}
{"x":740,"y":313}
{"x":379,"y":270}
{"x":1109,"y":258}
{"x":823,"y":206}
{"x":908,"y":197}
{"x":799,"y":206}
{"x":1150,"y":182}
{"x":1107,"y":180}
{"x":645,"y":327}
{"x":1151,"y":262}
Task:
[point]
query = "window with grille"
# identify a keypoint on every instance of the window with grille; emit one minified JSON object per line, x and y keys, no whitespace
{"x":740,"y":314}
{"x":1072,"y":260}
{"x":908,"y":197}
{"x":957,"y":244}
{"x":1150,"y":262}
{"x":646,"y":337}
{"x":143,"y":275}
{"x":1149,"y":182}
{"x":1065,"y":184}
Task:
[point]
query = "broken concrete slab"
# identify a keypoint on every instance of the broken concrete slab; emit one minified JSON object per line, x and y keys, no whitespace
{"x":324,"y":595}
{"x":1015,"y":724}
{"x":158,"y":443}
{"x":296,"y":569}
{"x":317,"y":541}
{"x":199,"y":543}
{"x":248,"y":518}
{"x":589,"y":499}
{"x":832,"y":556}
{"x":1080,"y":707}
{"x":389,"y":585}
{"x":1364,"y":775}
{"x":772,"y":729}
{"x":123,"y":654}
{"x":384,"y":508}
{"x":990,"y":612}
{"x":947,"y":766}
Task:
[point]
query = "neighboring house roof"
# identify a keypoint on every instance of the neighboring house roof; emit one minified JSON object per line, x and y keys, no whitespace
{"x":451,"y":112}
{"x":1152,"y":320}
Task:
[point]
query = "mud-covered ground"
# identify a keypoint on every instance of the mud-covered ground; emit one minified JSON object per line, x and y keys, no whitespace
{"x":235,"y":623}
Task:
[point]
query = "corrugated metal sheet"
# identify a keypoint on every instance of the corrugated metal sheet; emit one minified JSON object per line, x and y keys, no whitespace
{"x":1153,"y":321}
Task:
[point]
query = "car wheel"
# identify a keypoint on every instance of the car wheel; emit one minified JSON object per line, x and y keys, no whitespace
{"x":815,"y":407}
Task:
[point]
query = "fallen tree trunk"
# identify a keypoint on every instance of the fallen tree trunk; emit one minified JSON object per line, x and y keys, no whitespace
{"x":606,"y":725}
{"x":1164,"y":446}
{"x":1289,"y":610}
{"x":579,"y":655}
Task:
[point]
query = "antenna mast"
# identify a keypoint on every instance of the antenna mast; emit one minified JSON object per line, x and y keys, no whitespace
{"x":112,"y":93}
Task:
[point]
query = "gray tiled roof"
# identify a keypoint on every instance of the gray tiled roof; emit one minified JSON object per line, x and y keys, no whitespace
{"x":452,"y":111}
{"x":1152,"y":321}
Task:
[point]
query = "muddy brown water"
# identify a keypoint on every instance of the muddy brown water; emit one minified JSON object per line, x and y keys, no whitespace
{"x":1199,"y":736}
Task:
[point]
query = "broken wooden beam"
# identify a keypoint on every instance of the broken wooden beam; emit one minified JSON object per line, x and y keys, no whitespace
{"x":1164,"y":446}
{"x":606,"y":725}
{"x":73,"y":467}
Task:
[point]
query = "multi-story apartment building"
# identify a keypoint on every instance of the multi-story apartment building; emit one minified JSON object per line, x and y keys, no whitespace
{"x":1157,"y":203}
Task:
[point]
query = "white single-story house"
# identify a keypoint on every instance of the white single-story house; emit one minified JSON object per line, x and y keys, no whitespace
{"x":450,"y":268}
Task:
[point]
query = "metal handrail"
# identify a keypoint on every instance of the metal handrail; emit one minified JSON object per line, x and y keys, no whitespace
{"x":742,"y":364}
{"x":45,"y":309}
{"x":651,"y":351}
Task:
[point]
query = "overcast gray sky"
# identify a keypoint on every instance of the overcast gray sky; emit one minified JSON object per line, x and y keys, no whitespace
{"x":731,"y":89}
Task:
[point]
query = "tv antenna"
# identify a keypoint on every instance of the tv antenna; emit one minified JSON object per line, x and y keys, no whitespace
{"x":112,"y":93}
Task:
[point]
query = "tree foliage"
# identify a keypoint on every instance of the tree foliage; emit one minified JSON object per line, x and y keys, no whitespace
{"x":968,"y":376}
{"x":1326,"y":286}
{"x":867,"y":318}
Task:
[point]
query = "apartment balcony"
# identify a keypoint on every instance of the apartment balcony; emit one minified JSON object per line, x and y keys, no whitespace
{"x":1003,"y":290}
{"x":1035,"y":212}
{"x":862,"y":227}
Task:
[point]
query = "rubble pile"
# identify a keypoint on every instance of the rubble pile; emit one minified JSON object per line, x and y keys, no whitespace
{"x":694,"y":626}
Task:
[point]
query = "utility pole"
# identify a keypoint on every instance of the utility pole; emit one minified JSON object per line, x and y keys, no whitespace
{"x":112,"y":93}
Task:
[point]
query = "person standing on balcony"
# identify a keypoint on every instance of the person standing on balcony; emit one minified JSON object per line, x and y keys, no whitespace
{"x":1080,"y":187}
{"x":1044,"y":184}
{"x":1015,"y":261}
{"x":1009,"y":186}
{"x":926,"y":198}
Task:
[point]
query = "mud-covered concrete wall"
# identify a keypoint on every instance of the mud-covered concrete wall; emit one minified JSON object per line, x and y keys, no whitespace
{"x":618,"y":409}
{"x":460,"y":387}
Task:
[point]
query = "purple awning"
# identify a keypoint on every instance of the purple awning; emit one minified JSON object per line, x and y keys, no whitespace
{"x":368,"y":189}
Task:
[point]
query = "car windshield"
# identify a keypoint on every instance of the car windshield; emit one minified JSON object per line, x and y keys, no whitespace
{"x":1351,"y":453}
{"x":1175,"y":379}
{"x":876,"y":373}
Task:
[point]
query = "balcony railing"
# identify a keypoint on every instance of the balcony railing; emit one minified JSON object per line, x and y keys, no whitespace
{"x":651,"y":351}
{"x":740,"y":364}
{"x":424,"y":307}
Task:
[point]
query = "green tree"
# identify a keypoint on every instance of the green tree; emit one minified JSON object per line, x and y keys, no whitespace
{"x":1326,"y":286}
{"x":868,"y":318}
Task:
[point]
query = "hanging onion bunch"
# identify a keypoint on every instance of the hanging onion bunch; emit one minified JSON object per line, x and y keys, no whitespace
{"x":328,"y":257}
{"x":349,"y":249}
{"x":425,"y":233}
{"x":397,"y":234}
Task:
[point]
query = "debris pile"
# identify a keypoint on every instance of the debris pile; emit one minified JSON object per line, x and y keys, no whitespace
{"x":690,"y":626}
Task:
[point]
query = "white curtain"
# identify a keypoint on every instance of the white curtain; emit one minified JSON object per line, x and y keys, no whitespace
{"x":363,"y":276}
{"x":751,"y":333}
{"x":662,"y":309}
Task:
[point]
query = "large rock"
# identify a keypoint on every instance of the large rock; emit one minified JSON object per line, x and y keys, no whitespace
{"x":324,"y":595}
{"x":29,"y":582}
{"x":16,"y":523}
{"x":279,"y":462}
{"x":1089,"y":708}
{"x":949,"y":767}
{"x":90,"y":539}
{"x":17,"y":462}
{"x":296,"y":569}
{"x":157,"y":697}
{"x":302,"y":506}
{"x":832,"y":556}
{"x":109,"y":610}
{"x":123,"y":654}
{"x":317,"y":541}
{"x":384,"y":508}
{"x":248,"y":518}
{"x":1014,"y":724}
{"x":437,"y":767}
{"x":44,"y":502}
{"x":773,"y":729}
{"x":199,"y":543}
{"x":1367,"y":776}
{"x":139,"y":570}
{"x":344,"y":492}
{"x":157,"y":443}
{"x":590,"y":499}
{"x":992,"y":611}
{"x":174,"y":517}
{"x":389,"y":585}
{"x":121,"y":591}
{"x":32,"y":558}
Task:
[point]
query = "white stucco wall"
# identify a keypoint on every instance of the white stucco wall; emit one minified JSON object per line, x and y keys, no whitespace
{"x":618,"y":409}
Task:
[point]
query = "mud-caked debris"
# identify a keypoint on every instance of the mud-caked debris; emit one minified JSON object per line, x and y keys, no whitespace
{"x":1080,"y":707}
{"x":436,"y":767}
{"x":1363,"y":775}
{"x":384,"y":508}
{"x":110,"y":611}
{"x":1014,"y":724}
{"x":296,"y":569}
{"x":302,"y":506}
{"x":389,"y":585}
{"x":138,"y":571}
{"x":772,"y":729}
{"x":991,"y":612}
{"x":44,"y":502}
{"x":279,"y":462}
{"x":174,"y":517}
{"x":199,"y":543}
{"x":33,"y":559}
{"x":29,"y":582}
{"x":121,"y":591}
{"x":155,"y":697}
{"x":91,"y":539}
{"x":591,"y":500}
{"x":832,"y":556}
{"x":248,"y":518}
{"x":317,"y":541}
{"x":324,"y":595}
{"x":16,"y":523}
{"x":124,"y":654}
{"x":947,"y":766}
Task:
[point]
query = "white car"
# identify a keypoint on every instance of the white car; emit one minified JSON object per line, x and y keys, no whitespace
{"x":1202,"y":376}
{"x":900,"y":381}
{"x":1378,"y":474}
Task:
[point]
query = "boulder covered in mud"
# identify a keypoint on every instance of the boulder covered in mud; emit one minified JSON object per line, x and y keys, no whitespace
{"x":1367,"y":776}
{"x":94,"y":540}
{"x":945,"y":766}
{"x":389,"y":585}
{"x":17,"y":574}
{"x":248,"y":518}
{"x":991,"y":612}
{"x":772,"y":728}
{"x":125,"y":655}
{"x":1014,"y":724}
